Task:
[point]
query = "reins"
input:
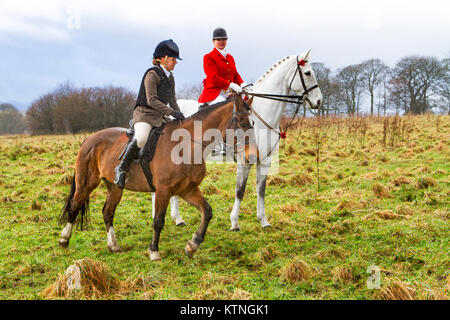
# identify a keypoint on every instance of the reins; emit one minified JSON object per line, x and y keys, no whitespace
{"x":294,"y":99}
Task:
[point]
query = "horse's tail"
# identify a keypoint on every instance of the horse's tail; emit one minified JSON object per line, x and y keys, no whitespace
{"x":68,"y":214}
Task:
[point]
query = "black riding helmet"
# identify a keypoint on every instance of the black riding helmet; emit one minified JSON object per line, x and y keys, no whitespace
{"x":167,"y":48}
{"x":219,"y":33}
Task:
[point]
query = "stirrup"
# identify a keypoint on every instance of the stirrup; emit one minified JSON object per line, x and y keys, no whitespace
{"x":120,"y":178}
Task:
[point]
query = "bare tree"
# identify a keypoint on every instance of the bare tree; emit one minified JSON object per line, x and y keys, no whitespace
{"x":11,"y":120}
{"x":415,"y":83}
{"x":373,"y":73}
{"x":191,"y":91}
{"x":323,"y":74}
{"x":349,"y":80}
{"x":69,"y":110}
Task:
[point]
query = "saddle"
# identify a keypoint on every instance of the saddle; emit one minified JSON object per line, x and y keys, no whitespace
{"x":147,"y":152}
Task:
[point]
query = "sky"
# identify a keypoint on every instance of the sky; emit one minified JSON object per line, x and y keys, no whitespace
{"x":95,"y":43}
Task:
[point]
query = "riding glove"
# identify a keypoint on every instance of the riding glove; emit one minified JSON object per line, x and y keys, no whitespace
{"x":235,"y":87}
{"x":177,"y":115}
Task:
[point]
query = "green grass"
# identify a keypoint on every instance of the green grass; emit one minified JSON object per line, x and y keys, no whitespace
{"x":339,"y":227}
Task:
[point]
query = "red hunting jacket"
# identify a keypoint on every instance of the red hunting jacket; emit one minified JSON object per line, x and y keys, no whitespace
{"x":220,"y":72}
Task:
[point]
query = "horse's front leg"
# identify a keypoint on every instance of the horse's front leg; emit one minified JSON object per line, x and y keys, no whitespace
{"x":261,"y":177}
{"x":174,"y":210}
{"x":161,"y":201}
{"x":241,"y":182}
{"x":195,"y":197}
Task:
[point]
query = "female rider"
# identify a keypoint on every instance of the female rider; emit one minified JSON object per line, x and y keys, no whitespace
{"x":156,"y":100}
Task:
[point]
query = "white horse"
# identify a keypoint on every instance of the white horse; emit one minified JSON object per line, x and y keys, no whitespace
{"x":293,"y":73}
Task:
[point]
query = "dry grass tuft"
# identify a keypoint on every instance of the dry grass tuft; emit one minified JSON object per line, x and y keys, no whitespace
{"x":380,"y":190}
{"x":291,"y":150}
{"x":268,"y":253}
{"x":95,"y":281}
{"x":388,"y":215}
{"x":363,"y":163}
{"x":309,"y":152}
{"x":66,"y":179}
{"x":210,"y":189}
{"x":295,"y":271}
{"x":7,"y":199}
{"x":276,"y":181}
{"x":397,"y":290}
{"x":239,"y":294}
{"x":425,"y":182}
{"x":291,"y":208}
{"x":301,"y":179}
{"x":346,"y":205}
{"x":35,"y":205}
{"x":404,"y":210}
{"x":342,"y":274}
{"x":400,"y":181}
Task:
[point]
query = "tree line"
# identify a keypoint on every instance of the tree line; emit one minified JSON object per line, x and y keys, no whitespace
{"x":415,"y":85}
{"x":70,"y":110}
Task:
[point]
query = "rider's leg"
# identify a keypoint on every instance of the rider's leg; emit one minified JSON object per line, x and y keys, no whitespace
{"x":141,"y":134}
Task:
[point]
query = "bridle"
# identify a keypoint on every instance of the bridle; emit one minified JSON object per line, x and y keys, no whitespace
{"x":296,"y":99}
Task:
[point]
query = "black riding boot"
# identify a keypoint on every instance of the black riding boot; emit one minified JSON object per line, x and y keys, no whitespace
{"x":124,"y":166}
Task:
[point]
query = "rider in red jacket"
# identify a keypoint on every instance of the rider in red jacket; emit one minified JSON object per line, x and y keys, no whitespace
{"x":220,"y":70}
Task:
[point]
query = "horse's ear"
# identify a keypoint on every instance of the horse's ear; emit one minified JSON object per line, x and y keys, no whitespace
{"x":307,"y":55}
{"x":238,"y":101}
{"x":250,"y":101}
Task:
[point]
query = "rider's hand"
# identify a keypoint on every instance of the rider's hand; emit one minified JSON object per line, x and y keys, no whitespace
{"x":243,"y":85}
{"x":177,"y":115}
{"x":235,"y":87}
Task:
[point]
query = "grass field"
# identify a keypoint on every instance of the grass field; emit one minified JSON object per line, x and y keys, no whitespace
{"x":382,"y":205}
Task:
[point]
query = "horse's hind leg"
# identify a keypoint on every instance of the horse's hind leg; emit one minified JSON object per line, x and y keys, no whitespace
{"x":112,"y":200}
{"x":196,"y":198}
{"x":161,"y":201}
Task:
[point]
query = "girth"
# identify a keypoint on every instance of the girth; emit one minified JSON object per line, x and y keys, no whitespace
{"x":147,"y":152}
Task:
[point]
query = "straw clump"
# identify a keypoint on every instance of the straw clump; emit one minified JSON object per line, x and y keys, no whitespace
{"x":89,"y":279}
{"x":425,"y":182}
{"x":397,"y":290}
{"x":296,"y":271}
{"x":380,"y":190}
{"x":301,"y":179}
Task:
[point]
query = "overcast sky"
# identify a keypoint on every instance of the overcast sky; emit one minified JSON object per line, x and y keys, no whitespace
{"x":95,"y":43}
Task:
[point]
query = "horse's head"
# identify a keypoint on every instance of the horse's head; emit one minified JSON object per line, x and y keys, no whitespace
{"x":302,"y":80}
{"x":245,"y":139}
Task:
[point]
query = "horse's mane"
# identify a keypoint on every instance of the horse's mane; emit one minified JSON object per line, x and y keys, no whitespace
{"x":272,"y":68}
{"x":204,"y":111}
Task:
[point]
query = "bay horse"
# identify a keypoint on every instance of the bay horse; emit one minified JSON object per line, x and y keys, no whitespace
{"x":293,"y":73}
{"x":99,"y":155}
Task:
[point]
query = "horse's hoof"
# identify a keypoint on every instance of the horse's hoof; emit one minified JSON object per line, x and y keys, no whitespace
{"x":235,"y":229}
{"x":181,"y":224}
{"x":189,"y":250}
{"x":154,"y":256}
{"x":115,"y":249}
{"x":63,"y":243}
{"x":267,"y":226}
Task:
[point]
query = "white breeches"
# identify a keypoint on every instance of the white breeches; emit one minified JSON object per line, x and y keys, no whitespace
{"x":220,"y":98}
{"x":141,"y":132}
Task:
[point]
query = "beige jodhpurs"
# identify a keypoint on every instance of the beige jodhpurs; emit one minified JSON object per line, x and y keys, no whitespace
{"x":141,"y":132}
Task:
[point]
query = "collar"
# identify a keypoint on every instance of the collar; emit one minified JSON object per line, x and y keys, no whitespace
{"x":223,"y":52}
{"x":167,"y":72}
